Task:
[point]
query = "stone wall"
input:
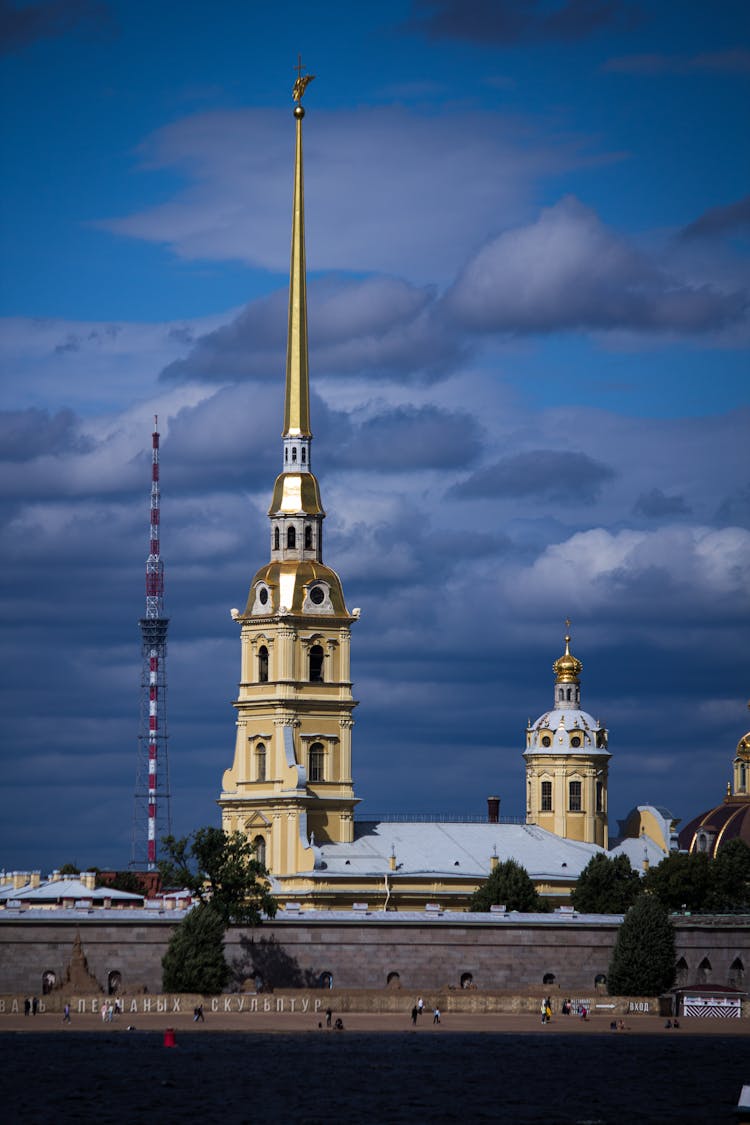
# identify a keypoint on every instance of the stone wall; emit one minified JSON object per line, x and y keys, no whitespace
{"x":381,"y":952}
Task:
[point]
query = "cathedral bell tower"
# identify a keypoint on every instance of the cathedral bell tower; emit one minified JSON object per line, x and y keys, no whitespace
{"x":567,"y":762}
{"x":290,"y":785}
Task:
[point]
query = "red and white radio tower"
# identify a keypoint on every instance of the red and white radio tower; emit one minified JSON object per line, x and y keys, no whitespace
{"x":152,"y":817}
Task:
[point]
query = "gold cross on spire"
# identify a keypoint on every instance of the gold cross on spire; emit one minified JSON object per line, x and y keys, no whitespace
{"x":301,"y":82}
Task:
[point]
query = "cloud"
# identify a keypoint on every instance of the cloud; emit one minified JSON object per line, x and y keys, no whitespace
{"x":682,"y":569}
{"x":555,"y":475}
{"x":655,"y":505}
{"x":378,"y":326}
{"x":733,"y":61}
{"x":568,"y":271}
{"x":719,"y":221}
{"x":26,"y":434}
{"x":510,"y":22}
{"x":379,"y":183}
{"x":408,"y":438}
{"x":22,"y":25}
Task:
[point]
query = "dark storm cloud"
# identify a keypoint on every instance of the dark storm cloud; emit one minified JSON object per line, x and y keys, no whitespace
{"x":730,"y":219}
{"x":412,"y":438}
{"x":379,"y":326}
{"x":26,"y":434}
{"x":22,"y":25}
{"x":510,"y":22}
{"x":655,"y":504}
{"x":734,"y":511}
{"x":565,"y":478}
{"x":569,"y":271}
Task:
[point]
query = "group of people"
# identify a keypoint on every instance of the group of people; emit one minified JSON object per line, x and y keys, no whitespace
{"x":110,"y":1010}
{"x":30,"y":1005}
{"x":418,"y":1010}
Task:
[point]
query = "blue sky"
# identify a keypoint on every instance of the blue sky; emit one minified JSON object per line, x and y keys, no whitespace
{"x":527,"y":227}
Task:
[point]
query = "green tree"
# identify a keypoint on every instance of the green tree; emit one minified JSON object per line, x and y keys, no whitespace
{"x":643,"y":959}
{"x":681,"y":881}
{"x":509,"y":885}
{"x":70,"y":869}
{"x":194,"y":961}
{"x":221,"y":869}
{"x":729,"y":890}
{"x":606,"y":886}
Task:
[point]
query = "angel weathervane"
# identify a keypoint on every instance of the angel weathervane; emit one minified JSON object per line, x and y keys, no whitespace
{"x":302,"y":81}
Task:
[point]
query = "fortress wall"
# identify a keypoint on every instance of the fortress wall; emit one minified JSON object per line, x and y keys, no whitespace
{"x":359,"y":954}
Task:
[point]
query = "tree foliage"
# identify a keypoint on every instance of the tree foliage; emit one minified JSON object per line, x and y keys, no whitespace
{"x":508,"y":885}
{"x":70,"y":869}
{"x":606,"y":886}
{"x":681,"y":881}
{"x":729,"y":889}
{"x":643,"y":959}
{"x":220,"y":868}
{"x":194,"y":961}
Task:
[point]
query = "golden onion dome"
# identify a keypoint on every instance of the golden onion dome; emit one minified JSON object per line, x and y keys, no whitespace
{"x":567,"y":668}
{"x":743,"y":746}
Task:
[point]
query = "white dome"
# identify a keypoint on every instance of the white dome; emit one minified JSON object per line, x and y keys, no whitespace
{"x":565,"y":732}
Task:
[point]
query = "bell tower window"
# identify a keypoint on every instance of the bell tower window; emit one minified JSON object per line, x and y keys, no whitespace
{"x":316,"y":664}
{"x":260,"y":762}
{"x":291,"y":538}
{"x":294,"y":453}
{"x":317,"y":762}
{"x":308,"y":537}
{"x":546,"y":796}
{"x":304,"y":455}
{"x":262,"y":665}
{"x":276,"y":539}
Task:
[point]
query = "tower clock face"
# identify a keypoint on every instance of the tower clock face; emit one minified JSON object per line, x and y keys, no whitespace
{"x":317,"y":595}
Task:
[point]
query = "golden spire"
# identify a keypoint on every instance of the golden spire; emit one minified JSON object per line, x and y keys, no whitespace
{"x":567,"y":667}
{"x":297,"y":397}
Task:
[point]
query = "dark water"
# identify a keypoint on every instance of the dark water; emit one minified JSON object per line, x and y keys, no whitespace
{"x":311,"y":1079}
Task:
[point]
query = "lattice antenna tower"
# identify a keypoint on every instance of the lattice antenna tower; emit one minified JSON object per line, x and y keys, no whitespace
{"x":152,"y":816}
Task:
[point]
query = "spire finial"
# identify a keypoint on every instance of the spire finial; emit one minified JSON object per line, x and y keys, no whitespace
{"x":297,"y":404}
{"x":301,"y":82}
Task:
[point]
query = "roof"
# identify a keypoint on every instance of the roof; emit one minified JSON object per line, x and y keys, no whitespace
{"x":457,"y":851}
{"x":57,"y":889}
{"x":728,"y":821}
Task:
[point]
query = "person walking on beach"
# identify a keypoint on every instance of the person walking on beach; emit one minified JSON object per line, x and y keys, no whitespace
{"x":26,"y":1006}
{"x":198,"y":1016}
{"x":34,"y":1006}
{"x":329,"y":1016}
{"x":66,"y":1014}
{"x":420,"y":1005}
{"x":436,"y":1015}
{"x":544,"y":1011}
{"x":414,"y":1014}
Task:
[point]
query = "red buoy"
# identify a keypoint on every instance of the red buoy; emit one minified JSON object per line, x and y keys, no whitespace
{"x":169,"y":1040}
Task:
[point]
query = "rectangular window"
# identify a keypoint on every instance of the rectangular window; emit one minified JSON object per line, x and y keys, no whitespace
{"x":574,"y":792}
{"x":599,"y":797}
{"x":546,"y":796}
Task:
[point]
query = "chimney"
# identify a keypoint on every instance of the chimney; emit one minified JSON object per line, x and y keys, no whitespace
{"x":36,"y":878}
{"x":493,"y":810}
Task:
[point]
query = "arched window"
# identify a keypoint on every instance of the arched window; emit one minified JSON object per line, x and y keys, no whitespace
{"x":546,"y":796}
{"x":304,"y":455}
{"x":600,"y":981}
{"x":114,"y":982}
{"x":574,"y":796}
{"x":294,"y":453}
{"x":393,"y":980}
{"x":259,"y":845}
{"x":569,"y":694}
{"x":308,"y":537}
{"x":291,"y":538}
{"x":317,"y":762}
{"x":704,"y":971}
{"x":276,"y":539}
{"x":48,"y":982}
{"x":561,"y":694}
{"x":599,"y":796}
{"x":262,"y":665}
{"x":743,"y":777}
{"x":325,"y":980}
{"x":548,"y":978}
{"x":467,"y":980}
{"x":316,"y":664}
{"x":681,"y":972}
{"x":260,"y":762}
{"x":736,"y":973}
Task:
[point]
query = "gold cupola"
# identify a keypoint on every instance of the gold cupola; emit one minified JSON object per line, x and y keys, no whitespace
{"x":567,"y":668}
